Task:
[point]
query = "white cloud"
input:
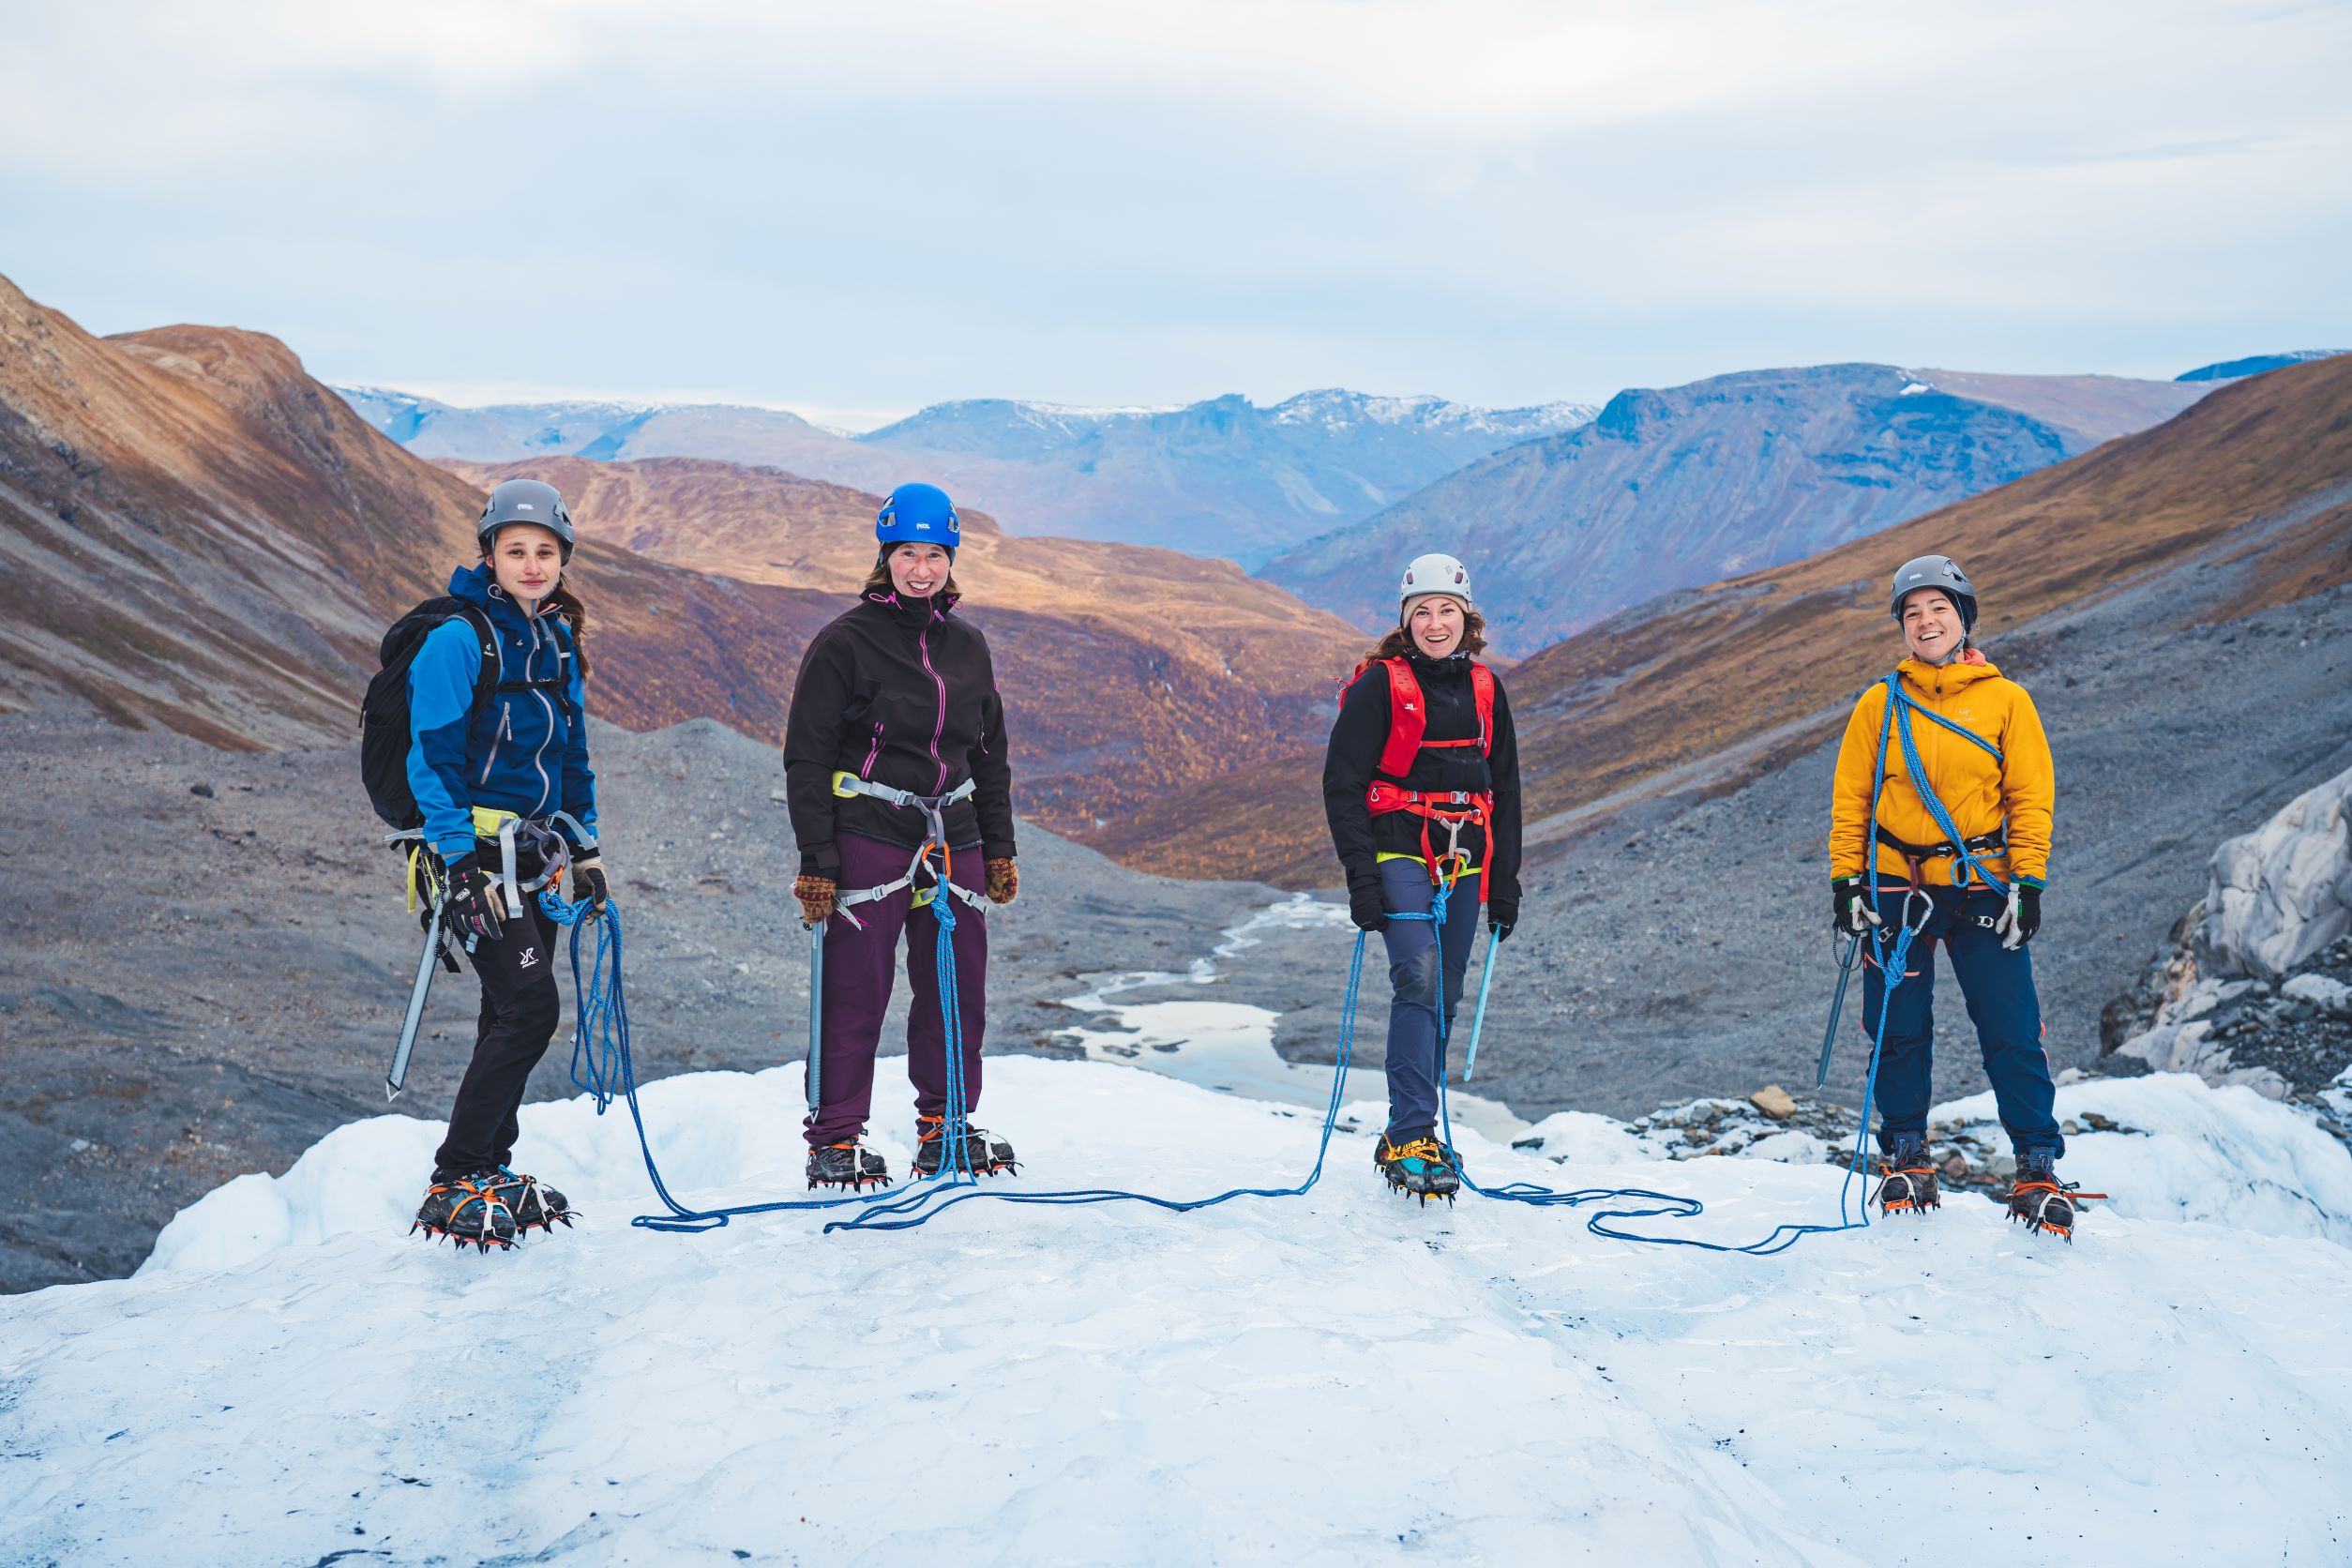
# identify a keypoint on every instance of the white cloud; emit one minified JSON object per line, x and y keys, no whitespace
{"x":876,"y":205}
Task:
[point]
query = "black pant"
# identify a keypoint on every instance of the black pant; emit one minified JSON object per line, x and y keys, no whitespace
{"x":519,"y":1012}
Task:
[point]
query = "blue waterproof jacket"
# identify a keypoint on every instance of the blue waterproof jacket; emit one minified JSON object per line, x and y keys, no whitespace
{"x":527,"y":750}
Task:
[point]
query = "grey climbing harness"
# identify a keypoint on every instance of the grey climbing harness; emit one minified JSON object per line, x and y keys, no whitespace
{"x":934,"y":809}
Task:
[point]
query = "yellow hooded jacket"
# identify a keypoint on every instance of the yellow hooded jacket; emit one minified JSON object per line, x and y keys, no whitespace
{"x":1979,"y":791}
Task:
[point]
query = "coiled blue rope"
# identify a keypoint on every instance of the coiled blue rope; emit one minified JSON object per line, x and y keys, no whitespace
{"x":604,"y":1067}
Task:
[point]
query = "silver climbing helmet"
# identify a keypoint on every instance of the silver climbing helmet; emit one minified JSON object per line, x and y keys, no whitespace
{"x":525,"y":500}
{"x":1430,"y":575}
{"x":1941,"y":573}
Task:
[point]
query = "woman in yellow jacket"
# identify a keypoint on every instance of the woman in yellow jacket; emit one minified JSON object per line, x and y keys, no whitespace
{"x":1939,"y":822}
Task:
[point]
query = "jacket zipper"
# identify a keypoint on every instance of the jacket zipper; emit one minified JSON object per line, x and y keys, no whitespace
{"x":539,"y":758}
{"x":506,"y":728}
{"x":506,"y":713}
{"x":940,"y":725}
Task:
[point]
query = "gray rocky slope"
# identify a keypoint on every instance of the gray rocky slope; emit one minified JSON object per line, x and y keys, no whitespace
{"x":197,"y":985}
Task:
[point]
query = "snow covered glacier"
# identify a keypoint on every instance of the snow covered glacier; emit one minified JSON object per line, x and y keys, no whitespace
{"x":1322,"y":1379}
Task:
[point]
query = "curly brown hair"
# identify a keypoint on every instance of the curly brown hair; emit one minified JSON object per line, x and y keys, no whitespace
{"x":1399,"y":642}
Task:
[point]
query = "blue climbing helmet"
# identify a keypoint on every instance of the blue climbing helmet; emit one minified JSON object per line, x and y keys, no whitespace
{"x":1941,"y":573}
{"x":918,"y":514}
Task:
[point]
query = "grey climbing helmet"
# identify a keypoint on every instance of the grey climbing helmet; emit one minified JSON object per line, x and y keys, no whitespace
{"x":525,"y":500}
{"x":1941,"y":573}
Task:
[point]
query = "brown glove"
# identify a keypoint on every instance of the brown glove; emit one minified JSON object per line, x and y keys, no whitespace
{"x":1005,"y":880}
{"x":816,"y":898}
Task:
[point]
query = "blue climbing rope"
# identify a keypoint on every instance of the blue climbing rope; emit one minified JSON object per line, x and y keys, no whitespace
{"x":916,"y":1208}
{"x":1641,"y":1203}
{"x":1901,"y":705}
{"x":604,"y":1067}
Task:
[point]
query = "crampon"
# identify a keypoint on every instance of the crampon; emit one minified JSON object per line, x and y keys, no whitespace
{"x":534,"y":1205}
{"x":2043,"y":1202}
{"x":850,"y":1165}
{"x":985,"y":1152}
{"x":468,"y":1210}
{"x":1419,"y":1168}
{"x":1908,"y":1184}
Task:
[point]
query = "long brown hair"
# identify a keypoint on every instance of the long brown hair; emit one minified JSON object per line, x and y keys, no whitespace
{"x":878,"y":581}
{"x":1399,"y":642}
{"x":575,"y":615}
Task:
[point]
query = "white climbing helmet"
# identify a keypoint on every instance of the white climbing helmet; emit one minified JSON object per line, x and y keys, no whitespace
{"x":1428,"y":575}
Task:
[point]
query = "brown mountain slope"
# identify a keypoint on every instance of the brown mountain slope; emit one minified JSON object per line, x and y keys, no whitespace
{"x":194,"y":533}
{"x":1704,"y":688}
{"x":1166,"y":669}
{"x":201,"y":536}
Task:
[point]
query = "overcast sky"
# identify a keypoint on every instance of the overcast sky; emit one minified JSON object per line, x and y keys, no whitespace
{"x":857,"y":208}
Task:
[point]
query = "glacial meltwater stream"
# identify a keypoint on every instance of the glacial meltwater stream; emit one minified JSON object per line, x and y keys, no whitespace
{"x":1228,"y":1046}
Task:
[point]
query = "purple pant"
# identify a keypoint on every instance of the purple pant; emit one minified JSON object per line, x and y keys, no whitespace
{"x":857,"y":989}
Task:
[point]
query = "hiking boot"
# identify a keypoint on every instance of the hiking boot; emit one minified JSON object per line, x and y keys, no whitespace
{"x":1419,"y":1166}
{"x":1907,"y":1182}
{"x":468,"y":1210}
{"x":850,"y":1165}
{"x":2043,"y":1202}
{"x":985,"y":1152}
{"x":534,"y":1205}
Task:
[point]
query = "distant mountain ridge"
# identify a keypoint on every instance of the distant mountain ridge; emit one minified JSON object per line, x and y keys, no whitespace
{"x":2255,"y":364}
{"x":1222,"y":477}
{"x":1673,"y":488}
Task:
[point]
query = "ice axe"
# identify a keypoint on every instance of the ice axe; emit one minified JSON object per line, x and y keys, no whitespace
{"x":1837,"y":1005}
{"x":1478,"y":1019}
{"x":397,"y":1079}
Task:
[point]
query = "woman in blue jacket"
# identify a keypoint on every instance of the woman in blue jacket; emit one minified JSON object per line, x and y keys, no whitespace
{"x":504,"y":785}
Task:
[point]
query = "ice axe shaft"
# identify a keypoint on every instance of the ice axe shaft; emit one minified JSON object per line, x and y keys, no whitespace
{"x":397,"y":1079}
{"x":816,"y":1011}
{"x":1478,"y":1019}
{"x":1837,"y":1005}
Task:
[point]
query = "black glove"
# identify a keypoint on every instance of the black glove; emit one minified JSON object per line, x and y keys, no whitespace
{"x":2021,"y":917}
{"x":1849,"y":905}
{"x":1364,"y":907}
{"x":588,"y":877}
{"x":469,"y":905}
{"x":1501,"y":914}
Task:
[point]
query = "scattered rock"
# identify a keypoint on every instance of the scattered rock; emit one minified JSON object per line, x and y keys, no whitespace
{"x":204,"y":790}
{"x":1774,"y":1101}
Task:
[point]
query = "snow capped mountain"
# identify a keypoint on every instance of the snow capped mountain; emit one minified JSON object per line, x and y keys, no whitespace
{"x":1667,"y":489}
{"x":1335,"y":409}
{"x":1334,"y":1379}
{"x":1222,"y":476}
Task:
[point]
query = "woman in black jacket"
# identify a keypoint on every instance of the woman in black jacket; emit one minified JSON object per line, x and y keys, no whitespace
{"x":895,"y":770}
{"x":1421,"y":786}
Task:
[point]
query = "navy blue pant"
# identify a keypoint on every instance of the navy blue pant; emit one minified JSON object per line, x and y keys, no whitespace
{"x":1998,"y":985}
{"x":1416,"y":1053}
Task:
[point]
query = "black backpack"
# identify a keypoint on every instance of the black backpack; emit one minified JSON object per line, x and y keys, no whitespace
{"x":384,"y":732}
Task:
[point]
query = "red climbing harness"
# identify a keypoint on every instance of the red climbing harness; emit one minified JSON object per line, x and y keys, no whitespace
{"x":1408,"y":723}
